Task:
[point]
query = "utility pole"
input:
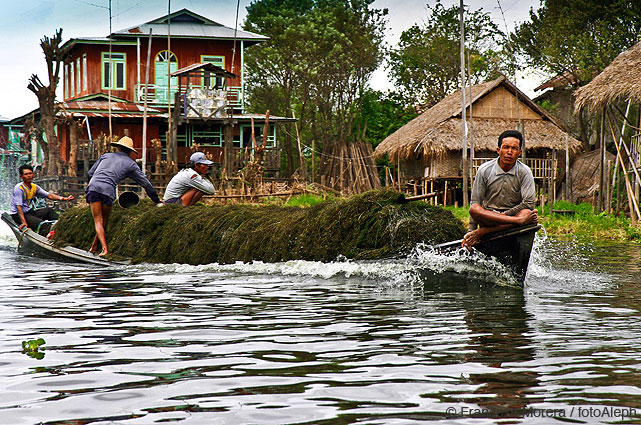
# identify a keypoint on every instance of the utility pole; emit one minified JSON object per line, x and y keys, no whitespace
{"x":463,"y":117}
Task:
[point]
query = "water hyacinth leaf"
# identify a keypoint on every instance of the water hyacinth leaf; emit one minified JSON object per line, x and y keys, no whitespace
{"x":374,"y":225}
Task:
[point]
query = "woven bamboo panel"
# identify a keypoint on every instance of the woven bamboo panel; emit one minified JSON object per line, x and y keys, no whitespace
{"x":500,"y":103}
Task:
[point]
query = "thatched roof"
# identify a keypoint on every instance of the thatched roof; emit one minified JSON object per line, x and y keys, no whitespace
{"x":621,"y":80}
{"x":438,"y":130}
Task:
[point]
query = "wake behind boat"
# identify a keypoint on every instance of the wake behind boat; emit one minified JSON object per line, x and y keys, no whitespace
{"x":511,"y":248}
{"x":34,"y":243}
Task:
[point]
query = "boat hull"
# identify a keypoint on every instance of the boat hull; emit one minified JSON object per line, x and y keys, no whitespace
{"x":511,"y":248}
{"x":33,"y":243}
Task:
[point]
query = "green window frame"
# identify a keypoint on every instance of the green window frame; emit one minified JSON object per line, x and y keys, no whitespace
{"x":72,"y":81}
{"x":215,"y":60}
{"x":245,"y":135}
{"x":211,"y":137}
{"x":78,"y":76}
{"x":114,"y":71}
{"x":66,"y":80}
{"x":84,"y":72}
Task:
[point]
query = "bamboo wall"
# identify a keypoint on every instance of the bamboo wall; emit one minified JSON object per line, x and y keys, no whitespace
{"x":501,"y":103}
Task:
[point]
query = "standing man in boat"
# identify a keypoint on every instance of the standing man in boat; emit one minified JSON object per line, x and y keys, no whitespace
{"x":23,"y":210}
{"x":105,"y":175}
{"x":503,"y":192}
{"x":190,"y":184}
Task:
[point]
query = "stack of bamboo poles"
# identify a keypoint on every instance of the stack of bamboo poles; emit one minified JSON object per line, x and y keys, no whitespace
{"x":349,"y":168}
{"x":635,"y":213}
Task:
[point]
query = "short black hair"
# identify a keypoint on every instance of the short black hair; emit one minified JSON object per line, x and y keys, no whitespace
{"x":124,"y":149}
{"x":511,"y":133}
{"x":24,"y":167}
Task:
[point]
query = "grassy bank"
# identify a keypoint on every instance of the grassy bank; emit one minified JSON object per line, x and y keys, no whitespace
{"x":578,"y":222}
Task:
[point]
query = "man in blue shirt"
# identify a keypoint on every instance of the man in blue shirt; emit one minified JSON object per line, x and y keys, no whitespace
{"x":22,"y":207}
{"x":104,"y":177}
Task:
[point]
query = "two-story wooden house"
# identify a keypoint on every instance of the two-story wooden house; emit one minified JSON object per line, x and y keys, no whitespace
{"x":182,"y":68}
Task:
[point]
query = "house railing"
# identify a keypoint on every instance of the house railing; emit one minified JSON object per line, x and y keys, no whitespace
{"x":542,"y":168}
{"x":157,"y":95}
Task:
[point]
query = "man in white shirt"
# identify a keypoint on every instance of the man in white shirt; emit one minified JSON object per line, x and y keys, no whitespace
{"x":189,"y":185}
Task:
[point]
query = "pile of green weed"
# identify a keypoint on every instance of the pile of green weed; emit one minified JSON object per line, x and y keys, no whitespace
{"x":373,"y":225}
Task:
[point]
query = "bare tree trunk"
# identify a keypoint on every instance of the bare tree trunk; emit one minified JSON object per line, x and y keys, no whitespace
{"x":72,"y":167}
{"x":54,"y":56}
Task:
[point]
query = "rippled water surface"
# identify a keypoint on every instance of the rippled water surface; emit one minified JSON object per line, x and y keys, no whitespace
{"x":312,"y":343}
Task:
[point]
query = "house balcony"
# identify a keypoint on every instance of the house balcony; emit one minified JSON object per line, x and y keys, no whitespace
{"x":157,"y":95}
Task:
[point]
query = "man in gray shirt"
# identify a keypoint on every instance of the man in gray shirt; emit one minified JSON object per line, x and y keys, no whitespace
{"x":188,"y":185}
{"x":503,"y":192}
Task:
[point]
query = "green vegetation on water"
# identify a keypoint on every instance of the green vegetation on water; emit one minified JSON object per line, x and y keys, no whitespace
{"x":377,"y":224}
{"x":578,"y":221}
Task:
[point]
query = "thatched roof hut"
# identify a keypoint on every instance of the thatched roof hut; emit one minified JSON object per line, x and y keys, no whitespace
{"x":621,"y":80}
{"x":496,"y":106}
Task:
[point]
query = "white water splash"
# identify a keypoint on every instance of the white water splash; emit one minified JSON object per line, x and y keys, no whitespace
{"x":563,"y":266}
{"x":423,"y":263}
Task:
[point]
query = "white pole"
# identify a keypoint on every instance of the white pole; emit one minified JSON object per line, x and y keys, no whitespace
{"x":144,"y":116}
{"x":463,"y":117}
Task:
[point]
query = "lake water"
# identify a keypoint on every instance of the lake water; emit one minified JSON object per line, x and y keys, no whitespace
{"x":312,"y":343}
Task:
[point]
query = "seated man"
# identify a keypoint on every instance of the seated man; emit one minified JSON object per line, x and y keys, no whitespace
{"x":188,"y":185}
{"x":503,"y":192}
{"x":22,"y":208}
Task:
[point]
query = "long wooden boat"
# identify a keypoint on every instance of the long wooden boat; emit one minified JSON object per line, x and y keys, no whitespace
{"x":34,"y":243}
{"x":510,"y":247}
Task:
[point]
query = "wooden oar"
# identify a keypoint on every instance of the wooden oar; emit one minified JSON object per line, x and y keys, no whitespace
{"x":448,"y":246}
{"x":403,"y":199}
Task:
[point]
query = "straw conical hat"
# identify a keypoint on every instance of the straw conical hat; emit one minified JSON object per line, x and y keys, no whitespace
{"x":125,"y":142}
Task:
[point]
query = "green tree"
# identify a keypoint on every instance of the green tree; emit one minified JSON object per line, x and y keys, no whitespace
{"x":317,"y":62}
{"x":426,"y":64}
{"x":577,"y":39}
{"x":383,"y":114}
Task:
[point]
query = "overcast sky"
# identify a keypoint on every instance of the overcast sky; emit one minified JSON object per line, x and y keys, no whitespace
{"x":24,"y":22}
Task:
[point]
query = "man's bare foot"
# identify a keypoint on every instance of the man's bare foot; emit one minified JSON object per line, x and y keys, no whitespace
{"x":103,"y":253}
{"x":472,"y":238}
{"x":94,"y":246}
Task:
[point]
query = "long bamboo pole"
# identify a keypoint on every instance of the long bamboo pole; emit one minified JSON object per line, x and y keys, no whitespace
{"x":111,"y":78}
{"x":616,"y":164}
{"x":171,"y":149}
{"x":144,"y":114}
{"x":463,"y":118}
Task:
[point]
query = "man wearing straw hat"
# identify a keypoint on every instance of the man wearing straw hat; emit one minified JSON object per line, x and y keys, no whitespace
{"x":104,"y":177}
{"x":189,"y":185}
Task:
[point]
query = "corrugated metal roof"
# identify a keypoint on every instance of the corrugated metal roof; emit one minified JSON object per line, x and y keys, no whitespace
{"x":82,"y":114}
{"x":185,"y":23}
{"x":103,"y":105}
{"x":261,"y":117}
{"x":100,"y":108}
{"x":204,"y":66}
{"x":189,"y":29}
